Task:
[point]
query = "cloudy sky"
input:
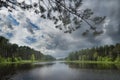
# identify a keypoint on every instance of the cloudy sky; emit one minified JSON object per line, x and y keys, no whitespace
{"x":26,"y":28}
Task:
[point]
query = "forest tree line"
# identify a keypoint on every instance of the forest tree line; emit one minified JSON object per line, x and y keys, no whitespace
{"x":102,"y":53}
{"x":13,"y":53}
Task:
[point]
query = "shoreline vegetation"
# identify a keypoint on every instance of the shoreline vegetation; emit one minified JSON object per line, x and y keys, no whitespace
{"x":94,"y":62}
{"x":99,"y":65}
{"x":88,"y":62}
{"x":103,"y":54}
{"x":13,"y":53}
{"x":23,"y":62}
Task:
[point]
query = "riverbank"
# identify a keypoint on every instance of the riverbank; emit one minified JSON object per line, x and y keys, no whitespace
{"x":19,"y":62}
{"x":94,"y":62}
{"x":23,"y":62}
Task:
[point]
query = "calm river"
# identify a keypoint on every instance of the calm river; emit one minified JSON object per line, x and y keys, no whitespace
{"x":59,"y":71}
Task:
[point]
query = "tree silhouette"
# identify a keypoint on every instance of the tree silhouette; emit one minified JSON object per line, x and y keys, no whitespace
{"x":67,"y":15}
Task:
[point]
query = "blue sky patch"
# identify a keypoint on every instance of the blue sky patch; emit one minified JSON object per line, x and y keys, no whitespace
{"x":30,"y":40}
{"x":9,"y":35}
{"x":34,"y":26}
{"x":13,"y":20}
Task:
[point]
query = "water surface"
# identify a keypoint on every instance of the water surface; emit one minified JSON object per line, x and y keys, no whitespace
{"x":59,"y":71}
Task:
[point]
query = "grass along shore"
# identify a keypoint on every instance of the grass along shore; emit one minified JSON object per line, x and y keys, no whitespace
{"x":94,"y":62}
{"x":23,"y":62}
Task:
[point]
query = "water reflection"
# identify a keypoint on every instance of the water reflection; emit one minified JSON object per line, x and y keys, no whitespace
{"x":94,"y":66}
{"x":59,"y":71}
{"x":8,"y":70}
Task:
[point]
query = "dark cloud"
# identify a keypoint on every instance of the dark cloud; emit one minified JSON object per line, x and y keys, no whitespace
{"x":58,"y":42}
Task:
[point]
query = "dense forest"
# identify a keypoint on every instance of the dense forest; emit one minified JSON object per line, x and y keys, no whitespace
{"x":102,"y":53}
{"x":13,"y":53}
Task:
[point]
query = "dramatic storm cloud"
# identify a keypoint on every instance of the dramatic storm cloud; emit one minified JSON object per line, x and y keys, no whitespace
{"x":26,"y":28}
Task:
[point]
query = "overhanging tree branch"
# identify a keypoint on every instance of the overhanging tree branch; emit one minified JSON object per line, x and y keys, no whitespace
{"x":68,"y":12}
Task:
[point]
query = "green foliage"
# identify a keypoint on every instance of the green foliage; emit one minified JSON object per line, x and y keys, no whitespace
{"x":19,"y":59}
{"x":104,"y":53}
{"x":117,"y":59}
{"x":83,"y":57}
{"x":14,"y":53}
{"x":95,"y":56}
{"x":16,"y":59}
{"x":106,"y":59}
{"x":5,"y":60}
{"x":2,"y":60}
{"x":100,"y":58}
{"x":32,"y":57}
{"x":9,"y":59}
{"x":48,"y":58}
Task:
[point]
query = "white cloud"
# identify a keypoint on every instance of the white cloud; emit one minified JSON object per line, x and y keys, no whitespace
{"x":106,"y":23}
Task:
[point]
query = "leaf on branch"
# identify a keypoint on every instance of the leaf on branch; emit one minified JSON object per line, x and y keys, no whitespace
{"x":43,"y":16}
{"x":59,"y":26}
{"x":28,"y":7}
{"x":87,"y":14}
{"x":9,"y":10}
{"x":3,"y":4}
{"x":42,"y":9}
{"x":37,"y":11}
{"x":96,"y":33}
{"x":77,"y":27}
{"x":49,"y":14}
{"x":55,"y":9}
{"x":56,"y":20}
{"x":85,"y":33}
{"x":76,"y":21}
{"x":92,"y":28}
{"x":78,"y":3}
{"x":98,"y":20}
{"x":35,"y":4}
